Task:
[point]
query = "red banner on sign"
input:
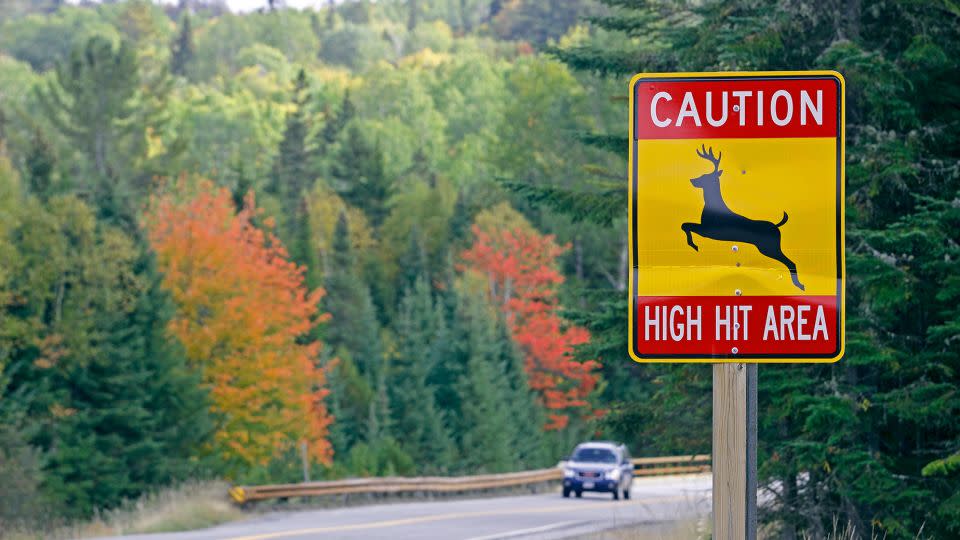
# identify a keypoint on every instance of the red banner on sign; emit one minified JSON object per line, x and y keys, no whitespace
{"x":737,"y":108}
{"x":736,"y":325}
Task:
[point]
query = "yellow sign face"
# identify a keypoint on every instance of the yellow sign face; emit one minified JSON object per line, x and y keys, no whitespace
{"x":736,"y":204}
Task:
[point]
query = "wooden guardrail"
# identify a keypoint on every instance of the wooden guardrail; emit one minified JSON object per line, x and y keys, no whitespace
{"x":452,"y":484}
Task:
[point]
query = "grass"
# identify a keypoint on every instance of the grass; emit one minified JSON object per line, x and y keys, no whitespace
{"x":680,"y":530}
{"x":189,"y":506}
{"x":700,"y":530}
{"x":850,"y":532}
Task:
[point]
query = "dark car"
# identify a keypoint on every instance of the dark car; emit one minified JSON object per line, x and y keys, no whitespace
{"x":598,"y":466}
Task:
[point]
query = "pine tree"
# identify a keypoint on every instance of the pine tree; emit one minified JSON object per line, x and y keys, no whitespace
{"x":355,"y":329}
{"x":359,"y":175}
{"x":418,"y":424}
{"x":40,"y":164}
{"x":460,"y":222}
{"x":449,"y":352}
{"x":526,"y":409}
{"x":413,"y":15}
{"x":351,"y":395}
{"x":182,"y":49}
{"x":140,"y":413}
{"x":413,"y":262}
{"x":488,"y":425}
{"x":291,"y":177}
{"x":336,"y":123}
{"x":92,"y":101}
{"x":87,"y":361}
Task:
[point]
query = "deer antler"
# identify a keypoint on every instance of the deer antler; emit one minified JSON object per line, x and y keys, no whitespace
{"x":708,"y":155}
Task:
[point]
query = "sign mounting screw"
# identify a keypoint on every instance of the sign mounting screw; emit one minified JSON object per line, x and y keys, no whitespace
{"x":735,"y":350}
{"x":738,"y":292}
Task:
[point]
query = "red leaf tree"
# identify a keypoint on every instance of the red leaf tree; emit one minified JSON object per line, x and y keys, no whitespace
{"x":521,"y":268}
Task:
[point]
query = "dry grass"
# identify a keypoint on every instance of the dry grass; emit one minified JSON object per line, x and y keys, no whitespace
{"x":185,"y":507}
{"x":680,"y":530}
{"x":850,"y":532}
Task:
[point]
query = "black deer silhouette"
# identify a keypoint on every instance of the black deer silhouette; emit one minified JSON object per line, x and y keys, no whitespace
{"x":719,"y":222}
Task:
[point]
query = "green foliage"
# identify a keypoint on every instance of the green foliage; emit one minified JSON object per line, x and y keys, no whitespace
{"x":232,"y":136}
{"x":96,"y":101}
{"x":418,"y":422}
{"x":412,"y":127}
{"x":353,"y":46}
{"x":291,"y":178}
{"x":354,"y":336}
{"x":21,"y":501}
{"x":44,"y":40}
{"x":603,"y":207}
{"x":112,"y":403}
{"x":537,"y":21}
{"x":358,"y":175}
{"x":183,"y":49}
{"x":498,"y":417}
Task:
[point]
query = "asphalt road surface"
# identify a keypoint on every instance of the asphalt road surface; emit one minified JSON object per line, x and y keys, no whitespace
{"x":654,"y":501}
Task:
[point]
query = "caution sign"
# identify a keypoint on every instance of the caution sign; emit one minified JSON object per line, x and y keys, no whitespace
{"x":736,"y":217}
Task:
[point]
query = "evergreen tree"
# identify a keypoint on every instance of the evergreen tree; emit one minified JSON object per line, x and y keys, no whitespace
{"x":291,"y":177}
{"x":413,"y":262}
{"x":359,"y":175}
{"x":139,"y":411}
{"x":92,"y":100}
{"x":489,"y":428}
{"x":413,"y":14}
{"x":88,"y":360}
{"x":350,"y":399}
{"x":336,"y":123}
{"x":526,"y":410}
{"x":418,"y":423}
{"x":355,"y":331}
{"x":460,"y":221}
{"x":182,"y":49}
{"x":40,"y":164}
{"x":448,"y":353}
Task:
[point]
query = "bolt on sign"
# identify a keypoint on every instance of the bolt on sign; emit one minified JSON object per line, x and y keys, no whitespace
{"x":736,"y":217}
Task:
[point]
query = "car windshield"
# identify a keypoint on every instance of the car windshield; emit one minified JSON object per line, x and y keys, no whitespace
{"x":594,"y":455}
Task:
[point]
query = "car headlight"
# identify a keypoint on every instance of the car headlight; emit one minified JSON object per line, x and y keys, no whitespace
{"x":568,"y":473}
{"x":613,"y":474}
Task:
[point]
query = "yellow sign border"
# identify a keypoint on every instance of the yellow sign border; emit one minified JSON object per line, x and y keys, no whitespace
{"x":840,"y":206}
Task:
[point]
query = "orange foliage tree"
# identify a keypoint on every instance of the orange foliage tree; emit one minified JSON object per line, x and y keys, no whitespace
{"x":242,"y":314}
{"x":521,"y":268}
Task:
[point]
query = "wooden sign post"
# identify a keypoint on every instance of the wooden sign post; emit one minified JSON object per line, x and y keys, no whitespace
{"x":734,"y":451}
{"x":736,"y":243}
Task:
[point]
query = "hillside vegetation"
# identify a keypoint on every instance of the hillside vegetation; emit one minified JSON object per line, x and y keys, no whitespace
{"x":391,"y":236}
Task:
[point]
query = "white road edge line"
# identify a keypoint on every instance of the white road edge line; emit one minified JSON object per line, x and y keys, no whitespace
{"x":523,"y":532}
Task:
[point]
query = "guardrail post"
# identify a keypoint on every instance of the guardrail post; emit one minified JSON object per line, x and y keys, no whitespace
{"x":306,"y":461}
{"x":734,"y":451}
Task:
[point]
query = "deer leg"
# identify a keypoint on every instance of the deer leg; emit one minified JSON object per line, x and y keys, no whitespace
{"x":791,"y":266}
{"x":689,"y":228}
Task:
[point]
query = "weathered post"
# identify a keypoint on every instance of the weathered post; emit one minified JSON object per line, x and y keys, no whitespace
{"x":734,"y":451}
{"x":306,"y":461}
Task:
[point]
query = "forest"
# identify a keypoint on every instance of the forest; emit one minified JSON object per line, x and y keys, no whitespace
{"x":392,"y":235}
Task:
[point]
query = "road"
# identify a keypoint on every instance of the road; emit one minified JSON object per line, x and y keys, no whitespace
{"x":653,"y":501}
